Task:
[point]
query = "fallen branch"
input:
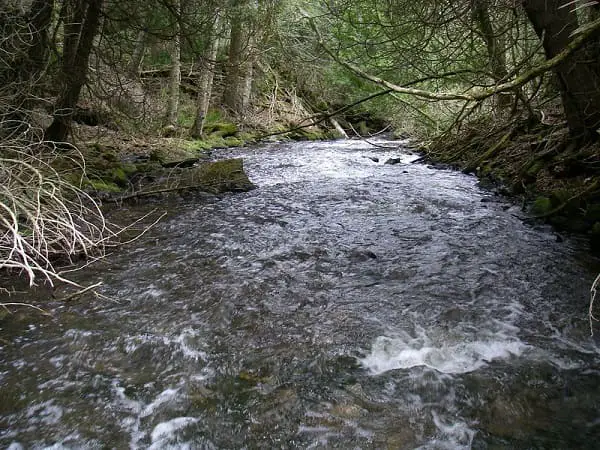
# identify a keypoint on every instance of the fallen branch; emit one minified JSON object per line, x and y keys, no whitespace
{"x":27,"y":305}
{"x":322,"y":117}
{"x":79,"y":293}
{"x":141,"y":194}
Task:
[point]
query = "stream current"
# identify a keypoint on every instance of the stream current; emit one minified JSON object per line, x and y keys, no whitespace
{"x":345,"y":303}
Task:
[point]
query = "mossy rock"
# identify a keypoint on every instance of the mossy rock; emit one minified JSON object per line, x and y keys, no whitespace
{"x":102,"y":186}
{"x":119,"y":177}
{"x":170,"y":155}
{"x":215,"y":141}
{"x":221,"y":129}
{"x":220,"y":176}
{"x":246,"y":136}
{"x":233,"y":141}
{"x":541,"y":206}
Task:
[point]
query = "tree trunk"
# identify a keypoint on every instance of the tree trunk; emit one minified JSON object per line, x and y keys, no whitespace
{"x":248,"y":74}
{"x":77,"y":49}
{"x":495,"y":49}
{"x":206,"y":78}
{"x":135,"y":65}
{"x":233,"y":94}
{"x":175,"y":74}
{"x":40,"y":17}
{"x":579,"y":75}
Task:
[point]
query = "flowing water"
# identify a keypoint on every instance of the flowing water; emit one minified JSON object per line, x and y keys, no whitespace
{"x":345,"y":303}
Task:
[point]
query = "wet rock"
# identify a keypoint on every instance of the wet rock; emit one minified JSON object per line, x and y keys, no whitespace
{"x":439,"y":166}
{"x":393,"y":161}
{"x":375,"y":159}
{"x":359,"y":255}
{"x":166,"y":155}
{"x":219,"y":176}
{"x":183,"y":163}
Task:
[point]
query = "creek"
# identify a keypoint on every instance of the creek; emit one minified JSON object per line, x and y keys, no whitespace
{"x":345,"y":303}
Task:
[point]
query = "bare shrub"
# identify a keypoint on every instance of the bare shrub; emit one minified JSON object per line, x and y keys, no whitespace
{"x":43,"y":217}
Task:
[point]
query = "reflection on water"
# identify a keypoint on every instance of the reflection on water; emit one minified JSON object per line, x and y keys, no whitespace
{"x":346,"y":303}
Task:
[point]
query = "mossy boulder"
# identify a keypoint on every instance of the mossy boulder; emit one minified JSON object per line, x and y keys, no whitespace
{"x":119,"y":177}
{"x":541,"y":206}
{"x":170,"y":155}
{"x":102,"y":186}
{"x":221,"y":129}
{"x":220,"y":176}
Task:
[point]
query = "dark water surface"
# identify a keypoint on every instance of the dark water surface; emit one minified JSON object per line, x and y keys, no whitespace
{"x":343,"y":304}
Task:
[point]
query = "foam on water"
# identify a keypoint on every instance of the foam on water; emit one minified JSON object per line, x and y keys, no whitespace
{"x":165,"y":433}
{"x":389,"y":353}
{"x":451,"y":436}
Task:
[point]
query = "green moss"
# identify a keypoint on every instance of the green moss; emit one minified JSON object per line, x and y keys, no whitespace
{"x":130,"y":169}
{"x":233,"y":141}
{"x":221,"y":129}
{"x":119,"y":177}
{"x":215,"y":141}
{"x":541,"y":206}
{"x":246,"y":136}
{"x":186,"y":118}
{"x":165,"y":155}
{"x":101,"y":185}
{"x":196,"y":145}
{"x":220,"y":176}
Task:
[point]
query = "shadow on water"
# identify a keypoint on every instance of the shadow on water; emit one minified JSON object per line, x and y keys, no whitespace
{"x":344,"y":303}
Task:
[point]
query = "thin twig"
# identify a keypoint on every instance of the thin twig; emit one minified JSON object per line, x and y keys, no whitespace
{"x":80,"y":292}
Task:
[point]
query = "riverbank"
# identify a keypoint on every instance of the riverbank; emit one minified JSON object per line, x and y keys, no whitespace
{"x":78,"y":186}
{"x":115,"y":166}
{"x":541,"y":166}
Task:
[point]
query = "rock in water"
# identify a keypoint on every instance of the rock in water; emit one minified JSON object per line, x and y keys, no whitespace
{"x":393,"y":161}
{"x":220,"y":176}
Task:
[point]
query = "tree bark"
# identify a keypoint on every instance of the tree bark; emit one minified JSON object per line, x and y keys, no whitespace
{"x":40,"y":17}
{"x":206,"y":78}
{"x":233,"y":94}
{"x":78,"y":45}
{"x":495,"y":49}
{"x":579,"y":75}
{"x":175,"y":74}
{"x":135,"y":65}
